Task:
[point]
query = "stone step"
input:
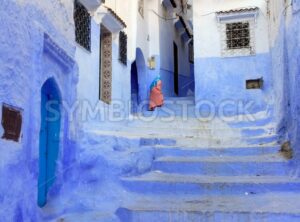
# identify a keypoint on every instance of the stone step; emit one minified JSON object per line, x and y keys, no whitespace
{"x":180,"y":141}
{"x":178,"y":131}
{"x":181,"y":121}
{"x":171,"y":110}
{"x":235,"y":121}
{"x":181,"y":99}
{"x":260,"y":165}
{"x":172,"y":134}
{"x":227,"y":141}
{"x":247,"y":123}
{"x":191,"y":141}
{"x":92,"y":215}
{"x":177,"y":184}
{"x":161,"y":151}
{"x":271,"y":207}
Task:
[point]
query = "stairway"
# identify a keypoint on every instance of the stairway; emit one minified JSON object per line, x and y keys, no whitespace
{"x":209,"y":172}
{"x":174,"y":106}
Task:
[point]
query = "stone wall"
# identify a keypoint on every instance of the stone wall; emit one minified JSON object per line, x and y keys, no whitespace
{"x":285,"y":40}
{"x":37,"y":43}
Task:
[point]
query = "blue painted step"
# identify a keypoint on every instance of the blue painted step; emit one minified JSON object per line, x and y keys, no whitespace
{"x":174,"y":106}
{"x":196,"y":152}
{"x":270,"y":207}
{"x":180,"y":216}
{"x":157,"y":141}
{"x":163,"y":183}
{"x":224,"y":166}
{"x":261,"y":139}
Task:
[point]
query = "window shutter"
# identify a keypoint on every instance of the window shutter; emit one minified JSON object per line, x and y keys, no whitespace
{"x":12,"y":123}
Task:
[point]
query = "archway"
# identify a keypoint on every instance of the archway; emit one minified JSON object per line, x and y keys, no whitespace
{"x":142,"y":75}
{"x":49,"y":138}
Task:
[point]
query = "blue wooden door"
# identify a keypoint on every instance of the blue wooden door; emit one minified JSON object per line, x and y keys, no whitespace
{"x":49,"y":139}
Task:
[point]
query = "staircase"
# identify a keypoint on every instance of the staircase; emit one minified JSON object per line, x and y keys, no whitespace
{"x":208,"y":171}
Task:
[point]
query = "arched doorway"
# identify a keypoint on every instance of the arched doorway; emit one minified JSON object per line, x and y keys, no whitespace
{"x":141,"y":76}
{"x":49,"y":138}
{"x":134,"y":88}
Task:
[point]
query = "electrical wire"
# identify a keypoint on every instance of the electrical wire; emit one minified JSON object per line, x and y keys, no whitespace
{"x":162,"y":16}
{"x":183,"y":11}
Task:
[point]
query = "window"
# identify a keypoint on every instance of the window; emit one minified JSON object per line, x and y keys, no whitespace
{"x":237,"y":38}
{"x":238,"y":35}
{"x":123,"y":48}
{"x":82,"y":20}
{"x":106,"y":65}
{"x":11,"y":122}
{"x":237,"y":31}
{"x":141,"y":8}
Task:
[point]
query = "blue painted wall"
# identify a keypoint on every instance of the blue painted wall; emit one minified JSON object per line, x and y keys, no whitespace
{"x":221,"y":79}
{"x":186,"y":84}
{"x":286,"y":66}
{"x":25,"y":64}
{"x":146,"y":76}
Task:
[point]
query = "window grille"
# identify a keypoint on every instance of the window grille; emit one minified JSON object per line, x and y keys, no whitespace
{"x":82,"y":20}
{"x":12,"y":123}
{"x":238,"y":35}
{"x":123,"y":48}
{"x":106,"y":66}
{"x":237,"y":38}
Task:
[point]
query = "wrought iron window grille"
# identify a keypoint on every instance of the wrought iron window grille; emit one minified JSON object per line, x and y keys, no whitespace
{"x":82,"y":20}
{"x":237,"y":38}
{"x":238,"y":35}
{"x":123,"y":48}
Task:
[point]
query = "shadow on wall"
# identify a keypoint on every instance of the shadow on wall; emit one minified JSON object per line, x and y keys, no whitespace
{"x":141,"y":75}
{"x":134,"y":88}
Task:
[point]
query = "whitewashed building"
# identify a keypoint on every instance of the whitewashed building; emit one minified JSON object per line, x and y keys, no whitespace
{"x":158,"y":36}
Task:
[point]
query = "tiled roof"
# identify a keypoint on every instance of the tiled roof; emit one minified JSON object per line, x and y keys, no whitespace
{"x":238,"y":10}
{"x":116,"y":16}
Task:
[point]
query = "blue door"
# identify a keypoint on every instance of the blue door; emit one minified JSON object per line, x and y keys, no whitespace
{"x":49,"y":138}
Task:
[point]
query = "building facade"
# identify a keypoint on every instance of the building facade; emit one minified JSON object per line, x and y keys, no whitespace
{"x":233,"y":54}
{"x":158,"y":36}
{"x":75,"y":73}
{"x":37,"y":65}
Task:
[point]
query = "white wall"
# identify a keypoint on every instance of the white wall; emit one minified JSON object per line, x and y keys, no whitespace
{"x":89,"y":70}
{"x":169,"y":34}
{"x":89,"y":63}
{"x":208,"y":43}
{"x":278,"y":10}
